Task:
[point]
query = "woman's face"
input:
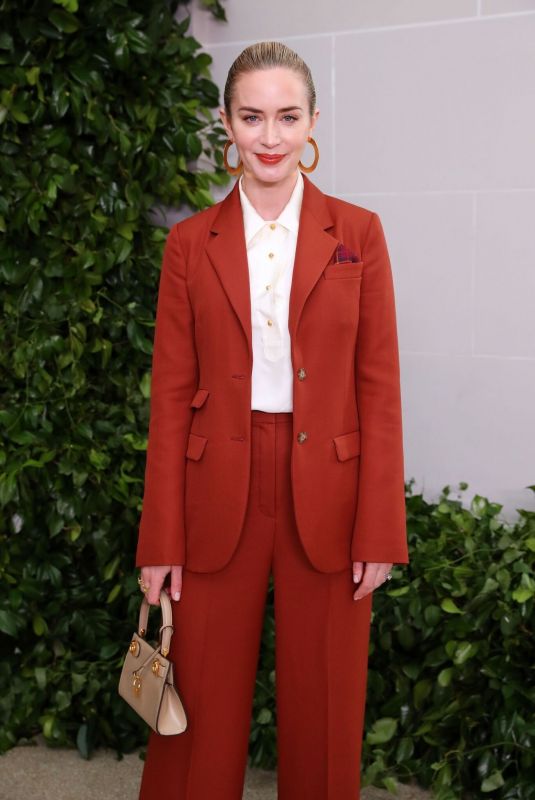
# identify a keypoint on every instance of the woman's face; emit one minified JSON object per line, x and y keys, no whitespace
{"x":270,"y":116}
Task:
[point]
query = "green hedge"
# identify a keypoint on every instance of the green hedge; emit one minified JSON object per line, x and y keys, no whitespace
{"x":104,"y":115}
{"x":451,"y":688}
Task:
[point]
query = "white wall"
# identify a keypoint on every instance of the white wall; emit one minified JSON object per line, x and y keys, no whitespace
{"x":427,"y":116}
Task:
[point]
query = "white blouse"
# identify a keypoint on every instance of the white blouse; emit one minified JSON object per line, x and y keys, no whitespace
{"x":270,"y":253}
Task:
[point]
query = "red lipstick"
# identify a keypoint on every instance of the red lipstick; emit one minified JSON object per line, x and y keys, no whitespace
{"x":270,"y":159}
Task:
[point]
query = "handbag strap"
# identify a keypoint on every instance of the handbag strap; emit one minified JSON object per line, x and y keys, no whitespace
{"x":166,"y":628}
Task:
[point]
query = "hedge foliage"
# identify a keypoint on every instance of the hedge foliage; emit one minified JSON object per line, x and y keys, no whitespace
{"x":104,"y":115}
{"x":451,"y":683}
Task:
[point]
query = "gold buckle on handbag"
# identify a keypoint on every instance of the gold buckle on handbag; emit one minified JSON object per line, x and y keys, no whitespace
{"x":136,"y":683}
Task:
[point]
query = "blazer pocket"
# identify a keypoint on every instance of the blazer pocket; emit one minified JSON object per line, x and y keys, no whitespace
{"x":199,"y":397}
{"x":347,"y":445}
{"x":196,"y":445}
{"x":343,"y":269}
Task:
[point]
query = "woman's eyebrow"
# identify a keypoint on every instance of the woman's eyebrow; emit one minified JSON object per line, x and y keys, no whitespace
{"x":259,"y":110}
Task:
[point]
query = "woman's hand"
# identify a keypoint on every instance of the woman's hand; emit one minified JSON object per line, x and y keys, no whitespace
{"x":153,"y":577}
{"x":374,"y":575}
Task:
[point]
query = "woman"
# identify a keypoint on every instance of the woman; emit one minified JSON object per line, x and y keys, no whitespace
{"x":275,"y":446}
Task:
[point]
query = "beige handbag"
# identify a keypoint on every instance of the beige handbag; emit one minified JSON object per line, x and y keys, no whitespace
{"x":146,"y":681}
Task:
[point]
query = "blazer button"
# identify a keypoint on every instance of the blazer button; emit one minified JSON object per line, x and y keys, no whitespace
{"x":301,"y":373}
{"x":301,"y":436}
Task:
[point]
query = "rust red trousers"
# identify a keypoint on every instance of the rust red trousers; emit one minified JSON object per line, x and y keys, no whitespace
{"x":321,"y":655}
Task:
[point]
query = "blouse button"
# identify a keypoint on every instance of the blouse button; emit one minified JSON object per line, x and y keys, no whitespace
{"x":271,"y":255}
{"x":269,"y":322}
{"x":272,"y":226}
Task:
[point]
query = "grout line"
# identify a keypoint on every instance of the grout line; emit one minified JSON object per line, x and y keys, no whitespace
{"x":333,"y":115}
{"x":376,"y":29}
{"x":473,"y":276}
{"x":471,"y":356}
{"x":431,"y":192}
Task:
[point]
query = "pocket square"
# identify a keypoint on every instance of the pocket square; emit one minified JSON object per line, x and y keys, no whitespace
{"x":343,"y":254}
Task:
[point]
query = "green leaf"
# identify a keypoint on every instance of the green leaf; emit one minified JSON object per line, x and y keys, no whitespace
{"x":40,"y":677}
{"x":6,"y":41}
{"x":114,"y":594}
{"x":48,"y":726}
{"x":144,"y":385}
{"x":398,"y":591}
{"x":449,"y":605}
{"x":264,"y":717}
{"x":39,"y":625}
{"x":8,"y":622}
{"x":493,"y":782}
{"x":111,"y":568}
{"x":432,"y":615}
{"x":126,"y":230}
{"x":391,"y":784}
{"x":522,"y":595}
{"x":70,"y":5}
{"x":445,"y":676}
{"x":382,"y":730}
{"x":82,"y":741}
{"x":463,"y":652}
{"x":19,"y":115}
{"x":64,"y":21}
{"x":405,"y":749}
{"x":421,"y":691}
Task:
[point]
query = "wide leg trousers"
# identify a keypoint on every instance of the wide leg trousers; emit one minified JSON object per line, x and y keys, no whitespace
{"x":321,"y":655}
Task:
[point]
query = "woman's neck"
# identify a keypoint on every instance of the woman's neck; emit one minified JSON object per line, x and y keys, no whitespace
{"x":269,"y":199}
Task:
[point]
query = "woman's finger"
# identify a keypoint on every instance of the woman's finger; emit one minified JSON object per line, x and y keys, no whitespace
{"x":176,"y":582}
{"x":144,"y":580}
{"x":374,"y":576}
{"x":368,"y":582}
{"x":153,"y":595}
{"x":357,"y":570}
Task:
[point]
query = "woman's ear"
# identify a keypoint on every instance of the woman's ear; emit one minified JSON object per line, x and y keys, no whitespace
{"x":313,"y":120}
{"x":223,"y":115}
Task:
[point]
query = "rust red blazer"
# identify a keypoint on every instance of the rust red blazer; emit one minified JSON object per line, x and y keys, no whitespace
{"x":348,"y":473}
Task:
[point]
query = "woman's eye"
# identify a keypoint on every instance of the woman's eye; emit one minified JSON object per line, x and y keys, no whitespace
{"x":286,"y":116}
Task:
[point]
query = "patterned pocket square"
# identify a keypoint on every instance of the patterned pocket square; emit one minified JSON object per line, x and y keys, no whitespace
{"x":344,"y":254}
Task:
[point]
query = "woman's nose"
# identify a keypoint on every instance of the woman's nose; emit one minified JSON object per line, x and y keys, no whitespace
{"x":270,"y":136}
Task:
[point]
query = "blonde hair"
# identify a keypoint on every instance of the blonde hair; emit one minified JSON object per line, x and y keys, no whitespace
{"x":266,"y":55}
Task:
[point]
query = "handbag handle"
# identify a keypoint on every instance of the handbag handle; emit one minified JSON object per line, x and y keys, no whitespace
{"x":166,"y":629}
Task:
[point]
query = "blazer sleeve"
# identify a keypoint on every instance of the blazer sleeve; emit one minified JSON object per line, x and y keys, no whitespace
{"x":380,"y":531}
{"x":161,"y":539}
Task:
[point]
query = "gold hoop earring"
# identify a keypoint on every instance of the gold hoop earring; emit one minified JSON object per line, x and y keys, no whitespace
{"x":230,"y":169}
{"x":316,"y":157}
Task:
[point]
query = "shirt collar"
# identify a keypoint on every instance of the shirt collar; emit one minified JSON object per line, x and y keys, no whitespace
{"x":289,"y":216}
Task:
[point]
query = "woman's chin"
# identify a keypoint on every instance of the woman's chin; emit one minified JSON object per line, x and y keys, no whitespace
{"x":270,"y":174}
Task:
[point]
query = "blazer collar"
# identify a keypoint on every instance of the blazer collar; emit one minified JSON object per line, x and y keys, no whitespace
{"x":227,"y":252}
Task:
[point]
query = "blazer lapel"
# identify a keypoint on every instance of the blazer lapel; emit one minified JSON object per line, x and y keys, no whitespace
{"x":228,"y":254}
